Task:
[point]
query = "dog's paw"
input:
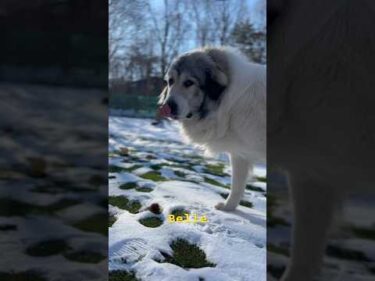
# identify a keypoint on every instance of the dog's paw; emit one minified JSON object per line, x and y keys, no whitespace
{"x":223,"y":207}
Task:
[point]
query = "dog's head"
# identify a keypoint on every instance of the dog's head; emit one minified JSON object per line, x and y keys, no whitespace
{"x":196,"y":82}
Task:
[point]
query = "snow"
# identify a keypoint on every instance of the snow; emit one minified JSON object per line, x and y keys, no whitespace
{"x":234,"y":241}
{"x":62,"y":128}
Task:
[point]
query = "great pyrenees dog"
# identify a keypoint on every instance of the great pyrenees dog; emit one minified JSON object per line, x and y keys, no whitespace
{"x":220,"y":99}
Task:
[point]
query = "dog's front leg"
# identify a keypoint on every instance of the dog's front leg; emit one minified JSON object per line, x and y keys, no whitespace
{"x":314,"y":205}
{"x":240,"y":173}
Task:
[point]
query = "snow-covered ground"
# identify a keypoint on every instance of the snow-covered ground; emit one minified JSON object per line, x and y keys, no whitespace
{"x":153,"y":165}
{"x":350,"y":254}
{"x":53,"y":184}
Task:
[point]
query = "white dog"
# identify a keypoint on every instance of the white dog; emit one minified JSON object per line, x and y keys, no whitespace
{"x":220,"y":99}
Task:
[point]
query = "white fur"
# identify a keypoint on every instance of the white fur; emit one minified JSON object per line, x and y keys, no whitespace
{"x":238,"y":125}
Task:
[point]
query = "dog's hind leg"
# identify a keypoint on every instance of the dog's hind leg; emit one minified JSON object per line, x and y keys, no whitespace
{"x":240,"y":173}
{"x":314,"y":205}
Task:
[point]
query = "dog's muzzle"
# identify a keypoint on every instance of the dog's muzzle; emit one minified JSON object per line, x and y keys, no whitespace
{"x":168,"y":110}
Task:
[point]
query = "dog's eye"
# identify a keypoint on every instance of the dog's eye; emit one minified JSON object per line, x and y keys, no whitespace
{"x":170,"y":81}
{"x":188,"y":83}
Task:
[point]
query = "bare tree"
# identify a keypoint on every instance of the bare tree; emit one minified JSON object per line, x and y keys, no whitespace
{"x":124,"y":15}
{"x":169,"y":29}
{"x":225,"y":14}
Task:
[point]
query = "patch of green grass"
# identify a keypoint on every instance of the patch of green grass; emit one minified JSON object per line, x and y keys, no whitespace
{"x":115,"y":169}
{"x":151,"y":222}
{"x":217,"y":170}
{"x":346,"y":254}
{"x":180,"y":212}
{"x":144,"y":189}
{"x":47,"y":248}
{"x":111,"y":220}
{"x":242,"y":202}
{"x":118,"y":201}
{"x":95,"y":223}
{"x":262,"y":179}
{"x":214,"y":182}
{"x":365,"y":233}
{"x":275,"y":271}
{"x":97,"y":180}
{"x":132,"y":168}
{"x":187,"y":255}
{"x":128,"y":185}
{"x":119,"y":275}
{"x":10,"y":207}
{"x":22,"y":276}
{"x":156,"y":167}
{"x":246,"y":204}
{"x":154,"y":176}
{"x":123,"y":203}
{"x":277,"y":249}
{"x":175,"y":160}
{"x":273,"y":221}
{"x":224,"y":195}
{"x":62,"y":204}
{"x":179,"y":174}
{"x":8,"y":227}
{"x":254,"y":188}
{"x":84,"y":256}
{"x":134,"y":206}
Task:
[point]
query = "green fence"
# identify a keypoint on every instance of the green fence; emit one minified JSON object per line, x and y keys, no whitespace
{"x":134,"y":105}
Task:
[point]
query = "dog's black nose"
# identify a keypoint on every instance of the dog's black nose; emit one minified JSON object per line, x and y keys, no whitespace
{"x":173,"y":106}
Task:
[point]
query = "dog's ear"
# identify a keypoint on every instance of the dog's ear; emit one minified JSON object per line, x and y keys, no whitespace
{"x":215,"y":84}
{"x":163,"y":96}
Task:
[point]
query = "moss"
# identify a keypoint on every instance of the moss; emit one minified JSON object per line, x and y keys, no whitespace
{"x":95,"y":223}
{"x":154,"y":176}
{"x":187,"y":255}
{"x":119,"y":275}
{"x":47,"y":248}
{"x":215,"y":182}
{"x":21,"y":276}
{"x":128,"y":185}
{"x":151,"y":222}
{"x":84,"y":257}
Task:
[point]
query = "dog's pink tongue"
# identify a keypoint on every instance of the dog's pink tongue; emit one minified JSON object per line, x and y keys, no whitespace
{"x":165,"y":110}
